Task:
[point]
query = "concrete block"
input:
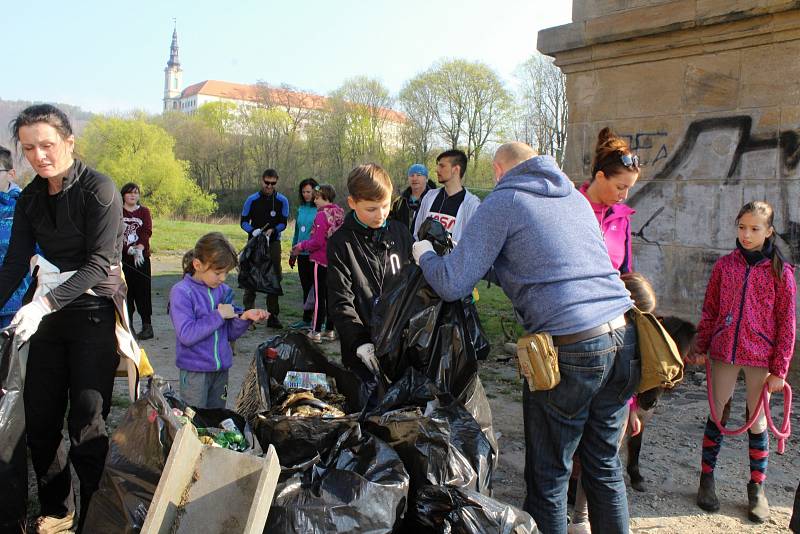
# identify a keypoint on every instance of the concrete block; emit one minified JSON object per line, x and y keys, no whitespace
{"x":770,"y":75}
{"x":586,"y":9}
{"x":711,"y":83}
{"x":646,"y":89}
{"x":719,"y":11}
{"x":649,"y":260}
{"x":582,"y":87}
{"x":707,"y":213}
{"x":637,"y":22}
{"x":212,"y":490}
{"x":687,"y":270}
{"x":551,"y":41}
{"x":579,"y":145}
{"x":654,"y":201}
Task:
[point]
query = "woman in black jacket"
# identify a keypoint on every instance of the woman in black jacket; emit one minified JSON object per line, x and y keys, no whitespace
{"x":75,"y":215}
{"x":363,"y":255}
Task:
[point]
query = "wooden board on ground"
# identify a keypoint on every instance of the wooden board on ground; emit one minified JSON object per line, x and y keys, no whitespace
{"x":212,"y":490}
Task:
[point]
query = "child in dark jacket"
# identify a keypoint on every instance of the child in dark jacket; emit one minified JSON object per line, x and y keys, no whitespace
{"x":748,"y":323}
{"x":363,"y":255}
{"x":328,"y":219}
{"x":205,"y":321}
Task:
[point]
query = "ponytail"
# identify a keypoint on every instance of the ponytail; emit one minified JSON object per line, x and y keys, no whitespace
{"x":777,"y":258}
{"x":608,"y":153}
{"x":187,"y":263}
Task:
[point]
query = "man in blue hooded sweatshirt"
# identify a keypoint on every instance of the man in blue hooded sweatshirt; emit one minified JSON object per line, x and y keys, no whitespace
{"x":541,"y":237}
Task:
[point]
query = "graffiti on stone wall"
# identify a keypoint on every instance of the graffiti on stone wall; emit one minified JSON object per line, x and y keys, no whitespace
{"x":686,"y":209}
{"x":744,"y":141}
{"x":643,"y":144}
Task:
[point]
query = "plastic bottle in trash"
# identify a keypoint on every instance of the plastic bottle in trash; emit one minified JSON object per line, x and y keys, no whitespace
{"x":230,"y":436}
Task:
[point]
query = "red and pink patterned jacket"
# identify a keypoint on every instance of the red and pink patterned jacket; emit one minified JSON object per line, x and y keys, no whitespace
{"x":748,"y":315}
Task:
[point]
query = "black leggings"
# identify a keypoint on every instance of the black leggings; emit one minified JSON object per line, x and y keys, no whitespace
{"x":139,"y":298}
{"x":71,"y":362}
{"x":306,"y":271}
{"x":321,"y":296}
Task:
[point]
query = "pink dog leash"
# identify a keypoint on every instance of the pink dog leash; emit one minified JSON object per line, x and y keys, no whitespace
{"x":786,"y":427}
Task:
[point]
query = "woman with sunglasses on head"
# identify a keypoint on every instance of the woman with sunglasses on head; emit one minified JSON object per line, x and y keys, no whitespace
{"x":614,"y":173}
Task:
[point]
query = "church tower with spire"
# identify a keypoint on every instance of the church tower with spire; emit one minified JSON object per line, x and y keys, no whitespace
{"x":173,"y":75}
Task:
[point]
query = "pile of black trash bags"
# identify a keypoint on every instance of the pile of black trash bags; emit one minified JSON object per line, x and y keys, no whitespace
{"x":420,"y":461}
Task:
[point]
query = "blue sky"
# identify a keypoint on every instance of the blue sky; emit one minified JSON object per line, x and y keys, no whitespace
{"x":110,"y":56}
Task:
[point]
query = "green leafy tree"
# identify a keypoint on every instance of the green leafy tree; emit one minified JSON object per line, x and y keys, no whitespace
{"x":133,"y":150}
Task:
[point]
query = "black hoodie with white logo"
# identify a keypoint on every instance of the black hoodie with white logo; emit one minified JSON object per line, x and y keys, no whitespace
{"x":361,"y":261}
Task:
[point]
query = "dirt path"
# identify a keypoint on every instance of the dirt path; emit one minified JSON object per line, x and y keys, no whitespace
{"x":670,"y":456}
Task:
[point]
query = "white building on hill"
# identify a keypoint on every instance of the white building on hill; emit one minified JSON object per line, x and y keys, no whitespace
{"x":190,"y":98}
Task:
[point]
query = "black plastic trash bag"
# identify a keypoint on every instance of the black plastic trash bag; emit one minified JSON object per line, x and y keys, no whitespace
{"x":449,"y":510}
{"x":437,"y":438}
{"x":412,"y":327}
{"x":256,"y":271}
{"x":13,"y":450}
{"x":360,"y":485}
{"x":137,"y":453}
{"x":296,"y":353}
{"x":299,"y":440}
{"x":475,"y":330}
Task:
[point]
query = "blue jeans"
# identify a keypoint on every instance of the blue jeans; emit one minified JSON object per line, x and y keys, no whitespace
{"x":585,"y":413}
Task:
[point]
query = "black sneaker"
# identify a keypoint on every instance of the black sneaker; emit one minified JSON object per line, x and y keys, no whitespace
{"x":274,"y":322}
{"x":146,"y":332}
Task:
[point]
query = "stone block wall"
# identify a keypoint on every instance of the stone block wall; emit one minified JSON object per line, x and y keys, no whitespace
{"x":708,"y":94}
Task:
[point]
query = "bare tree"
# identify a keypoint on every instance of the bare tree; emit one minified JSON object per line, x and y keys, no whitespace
{"x":543,"y":110}
{"x":418,"y":102}
{"x":470,"y":104}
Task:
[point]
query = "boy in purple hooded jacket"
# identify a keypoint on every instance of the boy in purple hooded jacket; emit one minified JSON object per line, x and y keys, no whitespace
{"x":205,"y":322}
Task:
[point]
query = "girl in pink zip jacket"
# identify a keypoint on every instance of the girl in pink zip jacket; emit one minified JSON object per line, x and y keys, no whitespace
{"x":748,"y":323}
{"x":614,"y":172}
{"x":329,"y":218}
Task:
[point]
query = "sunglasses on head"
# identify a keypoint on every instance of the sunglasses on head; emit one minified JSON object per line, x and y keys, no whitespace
{"x":267,"y":182}
{"x":631,"y":161}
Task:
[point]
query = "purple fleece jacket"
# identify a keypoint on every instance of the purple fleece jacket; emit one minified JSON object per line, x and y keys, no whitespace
{"x":201,"y":334}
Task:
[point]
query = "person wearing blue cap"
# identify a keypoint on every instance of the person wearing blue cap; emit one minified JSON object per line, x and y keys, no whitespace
{"x":405,"y":208}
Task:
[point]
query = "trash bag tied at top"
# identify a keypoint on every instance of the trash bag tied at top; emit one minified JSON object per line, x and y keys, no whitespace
{"x":256,"y":271}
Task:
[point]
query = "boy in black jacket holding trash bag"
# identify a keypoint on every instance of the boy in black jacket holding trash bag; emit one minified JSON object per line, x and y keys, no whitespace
{"x":363,"y":256}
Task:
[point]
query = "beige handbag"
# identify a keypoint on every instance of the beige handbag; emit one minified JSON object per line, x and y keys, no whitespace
{"x":538,"y":361}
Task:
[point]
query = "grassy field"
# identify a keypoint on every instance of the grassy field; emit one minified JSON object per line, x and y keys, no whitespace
{"x":176,"y":237}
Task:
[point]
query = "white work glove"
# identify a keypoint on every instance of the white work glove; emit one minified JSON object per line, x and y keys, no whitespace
{"x":419,"y":248}
{"x":28,"y":318}
{"x":132,"y":251}
{"x":139,"y":257}
{"x":226,"y":311}
{"x":256,"y":232}
{"x":366,"y":353}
